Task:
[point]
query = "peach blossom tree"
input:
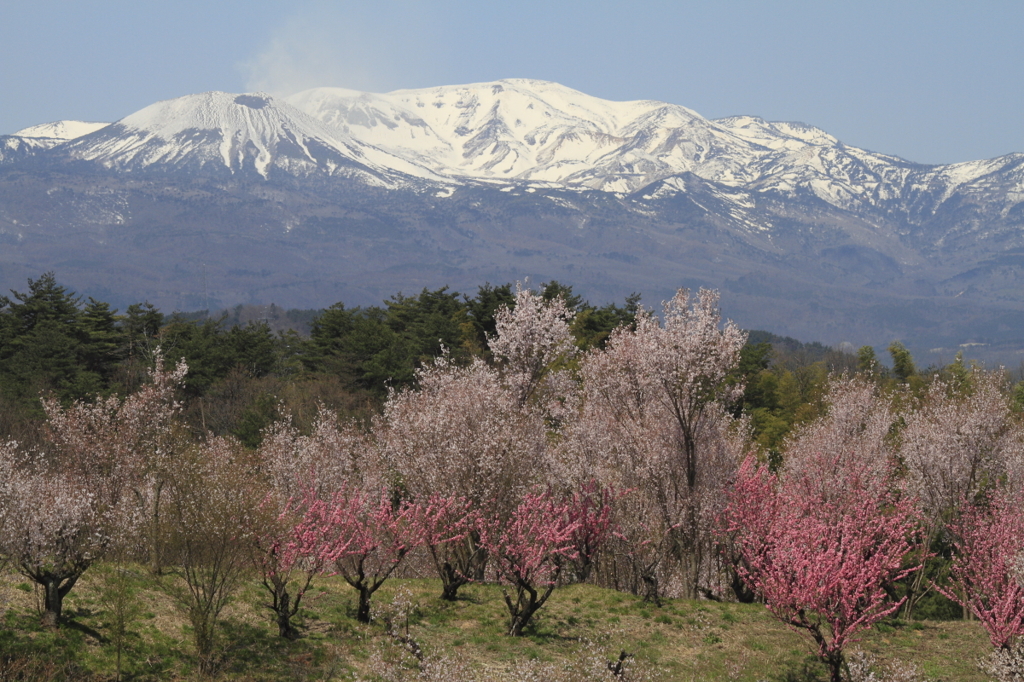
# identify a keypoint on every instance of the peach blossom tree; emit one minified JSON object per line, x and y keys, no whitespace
{"x":986,"y":578}
{"x":361,"y":537}
{"x":529,"y":551}
{"x":821,"y":546}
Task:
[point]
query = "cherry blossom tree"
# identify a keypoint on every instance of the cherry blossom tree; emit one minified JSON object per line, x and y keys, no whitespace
{"x":821,"y":545}
{"x":363,"y":538}
{"x":480,"y":432}
{"x":638,"y":549}
{"x":131,"y":443}
{"x":56,"y":524}
{"x":462,"y":433}
{"x":855,"y":429}
{"x":652,"y":420}
{"x":67,"y":502}
{"x":958,"y":438}
{"x":986,"y":579}
{"x":530,"y":550}
{"x":961,"y":437}
{"x":954,"y":443}
{"x":532,"y":340}
{"x":334,"y":453}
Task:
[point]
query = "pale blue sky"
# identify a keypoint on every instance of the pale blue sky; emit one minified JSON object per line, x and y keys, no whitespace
{"x":932,"y":81}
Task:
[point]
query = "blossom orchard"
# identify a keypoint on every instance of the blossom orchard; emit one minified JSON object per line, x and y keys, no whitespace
{"x":541,"y":464}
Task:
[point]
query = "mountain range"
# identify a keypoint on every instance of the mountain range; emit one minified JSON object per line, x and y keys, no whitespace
{"x":328,"y":195}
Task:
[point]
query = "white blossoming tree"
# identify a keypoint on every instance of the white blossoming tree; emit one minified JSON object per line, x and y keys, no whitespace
{"x":652,"y":420}
{"x":56,"y":524}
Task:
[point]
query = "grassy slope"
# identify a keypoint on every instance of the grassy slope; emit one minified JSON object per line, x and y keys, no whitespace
{"x":681,"y":641}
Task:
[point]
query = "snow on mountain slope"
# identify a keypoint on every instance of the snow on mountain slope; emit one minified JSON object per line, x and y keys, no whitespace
{"x":514,"y":130}
{"x":776,"y":135}
{"x":30,"y":141}
{"x":528,"y":130}
{"x":535,"y":130}
{"x":217,"y":130}
{"x":61,"y":130}
{"x":531,"y":130}
{"x":14,"y":148}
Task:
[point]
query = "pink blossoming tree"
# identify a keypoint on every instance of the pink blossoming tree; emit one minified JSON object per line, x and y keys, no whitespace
{"x":363,"y":538}
{"x":462,"y":433}
{"x":531,"y":549}
{"x":821,"y":555}
{"x":590,"y":510}
{"x":298,"y":468}
{"x":986,"y":567}
{"x":449,"y":528}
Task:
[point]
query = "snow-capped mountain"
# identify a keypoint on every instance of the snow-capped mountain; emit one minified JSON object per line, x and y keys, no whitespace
{"x":523,"y":130}
{"x":34,"y":139}
{"x":226,"y":134}
{"x":509,"y":131}
{"x":527,"y":130}
{"x":333,"y":194}
{"x":61,"y":130}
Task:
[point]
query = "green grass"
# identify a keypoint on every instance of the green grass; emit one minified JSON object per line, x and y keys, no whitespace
{"x":682,"y":640}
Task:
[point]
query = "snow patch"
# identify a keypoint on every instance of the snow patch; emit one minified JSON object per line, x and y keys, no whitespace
{"x":61,"y":130}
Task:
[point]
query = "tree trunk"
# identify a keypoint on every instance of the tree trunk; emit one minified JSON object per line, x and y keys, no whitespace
{"x":53,"y":603}
{"x":282,"y":606}
{"x":55,"y":588}
{"x":691,"y":573}
{"x":833,"y":659}
{"x":835,"y":667}
{"x":527,"y":603}
{"x":478,"y":561}
{"x":743,"y":594}
{"x":155,"y":564}
{"x":652,"y":594}
{"x":451,"y":580}
{"x":363,"y":612}
{"x":282,"y":603}
{"x":284,"y":617}
{"x":521,"y":611}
